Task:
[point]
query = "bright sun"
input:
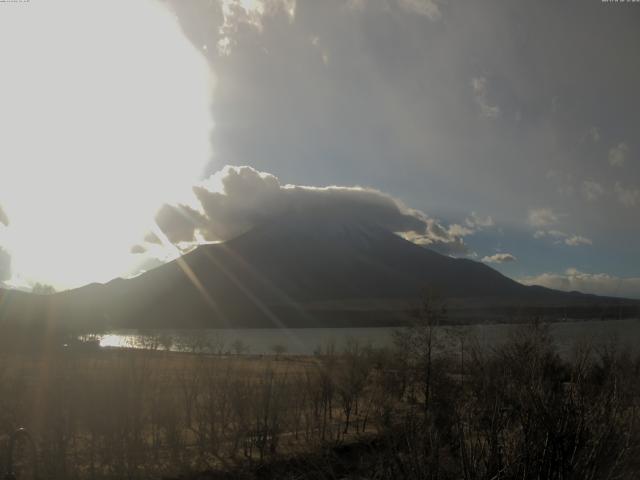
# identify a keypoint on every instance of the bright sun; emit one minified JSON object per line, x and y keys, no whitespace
{"x":104,"y":115}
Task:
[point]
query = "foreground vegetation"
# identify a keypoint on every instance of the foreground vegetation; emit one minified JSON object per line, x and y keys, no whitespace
{"x":431,"y":408}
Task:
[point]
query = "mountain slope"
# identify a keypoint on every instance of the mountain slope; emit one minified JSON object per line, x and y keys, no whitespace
{"x":303,"y":271}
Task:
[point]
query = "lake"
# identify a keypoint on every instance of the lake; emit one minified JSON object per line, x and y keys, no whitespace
{"x":306,"y":341}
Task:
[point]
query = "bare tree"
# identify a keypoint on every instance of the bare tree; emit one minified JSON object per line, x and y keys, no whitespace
{"x":278,"y":349}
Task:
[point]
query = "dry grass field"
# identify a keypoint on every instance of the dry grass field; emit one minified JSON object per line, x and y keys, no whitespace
{"x":414,"y":411}
{"x":134,"y":414}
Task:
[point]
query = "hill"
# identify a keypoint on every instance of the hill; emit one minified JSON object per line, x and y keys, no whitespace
{"x":306,"y":271}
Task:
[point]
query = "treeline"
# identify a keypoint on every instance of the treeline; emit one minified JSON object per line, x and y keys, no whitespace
{"x":436,"y":406}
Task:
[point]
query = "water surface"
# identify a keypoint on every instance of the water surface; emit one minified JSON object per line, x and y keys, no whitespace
{"x":307,"y":341}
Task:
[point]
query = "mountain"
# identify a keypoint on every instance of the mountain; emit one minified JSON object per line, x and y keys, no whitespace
{"x":305,"y":271}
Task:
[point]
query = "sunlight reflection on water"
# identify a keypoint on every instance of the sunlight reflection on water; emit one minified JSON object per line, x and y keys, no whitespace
{"x":306,"y":341}
{"x":117,"y":340}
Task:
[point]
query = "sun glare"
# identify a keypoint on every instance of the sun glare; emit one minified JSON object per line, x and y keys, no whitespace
{"x":104,"y":115}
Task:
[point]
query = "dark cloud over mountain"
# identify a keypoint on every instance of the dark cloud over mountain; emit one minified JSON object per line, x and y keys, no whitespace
{"x":450,"y":106}
{"x":237,"y":199}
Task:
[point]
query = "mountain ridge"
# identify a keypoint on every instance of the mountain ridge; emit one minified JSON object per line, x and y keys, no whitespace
{"x":306,"y":271}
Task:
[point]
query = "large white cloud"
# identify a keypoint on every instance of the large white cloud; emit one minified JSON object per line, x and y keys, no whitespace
{"x":236,"y":199}
{"x":597,"y":283}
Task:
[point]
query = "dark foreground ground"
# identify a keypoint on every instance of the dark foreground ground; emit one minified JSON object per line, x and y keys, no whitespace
{"x":432,"y":407}
{"x":353,"y":460}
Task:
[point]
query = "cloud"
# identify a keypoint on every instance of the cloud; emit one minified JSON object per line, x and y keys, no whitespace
{"x":499,"y":258}
{"x":397,"y":108}
{"x":472,"y":224}
{"x":593,"y":134}
{"x":560,"y":237}
{"x":549,"y":233}
{"x":618,"y":155}
{"x":439,"y":239}
{"x":592,"y":190}
{"x":237,"y":14}
{"x":479,"y":86}
{"x":178,"y":223}
{"x":597,"y":283}
{"x":138,"y":249}
{"x":563,"y":181}
{"x":577,"y":240}
{"x":475,"y":221}
{"x":234,"y":200}
{"x":629,"y":197}
{"x":458,"y":230}
{"x":542,"y":217}
{"x":3,"y":217}
{"x":428,"y":8}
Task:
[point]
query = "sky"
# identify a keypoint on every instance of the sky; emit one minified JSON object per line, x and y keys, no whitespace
{"x":505,"y":132}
